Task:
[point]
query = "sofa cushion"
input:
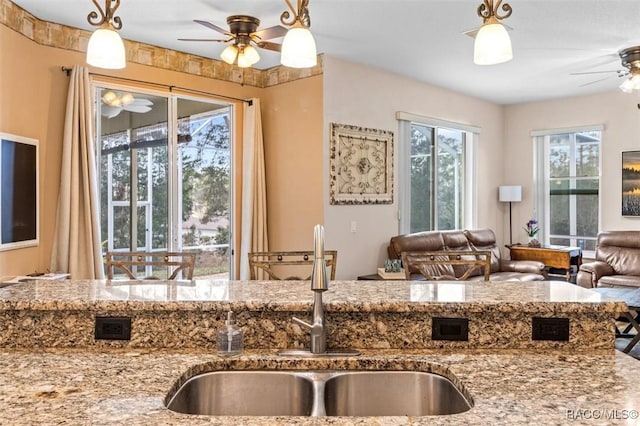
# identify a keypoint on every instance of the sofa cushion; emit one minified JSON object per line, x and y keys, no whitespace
{"x":510,"y":276}
{"x":419,"y":241}
{"x":485,"y":239}
{"x":619,"y":281}
{"x":457,"y":241}
{"x":438,"y":270}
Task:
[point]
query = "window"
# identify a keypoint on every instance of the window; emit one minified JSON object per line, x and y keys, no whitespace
{"x":436,"y":174}
{"x":165,"y":183}
{"x":567,"y":186}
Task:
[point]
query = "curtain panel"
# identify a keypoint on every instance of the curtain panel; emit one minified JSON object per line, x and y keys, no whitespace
{"x":76,"y":245}
{"x":254,"y":235}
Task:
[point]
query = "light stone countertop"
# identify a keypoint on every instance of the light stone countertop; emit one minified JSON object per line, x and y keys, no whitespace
{"x":129,"y":386}
{"x":361,"y":296}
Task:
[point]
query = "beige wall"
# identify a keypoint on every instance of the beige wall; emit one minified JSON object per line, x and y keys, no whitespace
{"x":619,"y":114}
{"x":361,"y":96}
{"x":292,"y":116}
{"x":33,"y":93}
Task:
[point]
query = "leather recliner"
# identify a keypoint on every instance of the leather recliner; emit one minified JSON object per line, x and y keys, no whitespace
{"x":616,"y":264}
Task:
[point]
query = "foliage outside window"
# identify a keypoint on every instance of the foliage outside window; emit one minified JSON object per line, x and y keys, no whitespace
{"x":435,"y":177}
{"x":568,"y":195}
{"x":135,"y":174}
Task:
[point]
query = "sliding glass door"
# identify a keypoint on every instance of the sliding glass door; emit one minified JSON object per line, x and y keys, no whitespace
{"x":165,"y":176}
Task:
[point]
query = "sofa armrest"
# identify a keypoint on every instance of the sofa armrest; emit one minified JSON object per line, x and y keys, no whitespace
{"x":590,"y":273}
{"x":522,"y":266}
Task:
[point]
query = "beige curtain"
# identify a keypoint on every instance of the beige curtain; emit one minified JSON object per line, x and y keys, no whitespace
{"x":254,"y":236}
{"x":76,"y":244}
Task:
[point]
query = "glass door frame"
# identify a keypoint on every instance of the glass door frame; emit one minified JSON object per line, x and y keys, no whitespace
{"x":174,"y":186}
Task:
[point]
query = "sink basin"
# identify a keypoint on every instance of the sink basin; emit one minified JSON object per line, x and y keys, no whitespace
{"x":318,"y":393}
{"x":392,"y":393}
{"x":245,"y":393}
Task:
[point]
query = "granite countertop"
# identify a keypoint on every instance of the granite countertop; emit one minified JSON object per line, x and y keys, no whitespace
{"x":129,"y":387}
{"x":110,"y":385}
{"x":361,"y":296}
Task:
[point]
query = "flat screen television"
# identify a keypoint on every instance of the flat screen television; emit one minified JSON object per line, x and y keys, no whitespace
{"x":18,"y":192}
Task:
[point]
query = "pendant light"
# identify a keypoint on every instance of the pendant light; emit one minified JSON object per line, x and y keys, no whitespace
{"x":106,"y":48}
{"x":492,"y":44}
{"x":298,"y":46}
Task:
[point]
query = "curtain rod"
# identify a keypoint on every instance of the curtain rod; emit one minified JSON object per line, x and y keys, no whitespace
{"x":68,"y":70}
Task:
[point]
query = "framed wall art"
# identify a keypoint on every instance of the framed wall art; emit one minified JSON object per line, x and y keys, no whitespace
{"x":361,"y":165}
{"x":631,"y":183}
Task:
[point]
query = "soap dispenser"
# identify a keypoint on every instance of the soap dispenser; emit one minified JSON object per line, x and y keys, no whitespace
{"x":229,"y":339}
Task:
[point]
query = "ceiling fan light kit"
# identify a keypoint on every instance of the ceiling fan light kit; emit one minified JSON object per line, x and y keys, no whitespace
{"x":630,"y":58}
{"x":243,"y":31}
{"x":492,"y":43}
{"x":106,"y":48}
{"x":298,"y":46}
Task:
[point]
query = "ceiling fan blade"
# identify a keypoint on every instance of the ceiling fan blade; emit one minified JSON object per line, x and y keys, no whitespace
{"x":594,"y":82}
{"x":596,"y":72}
{"x":213,"y":27}
{"x":271,"y":32}
{"x":270,"y":46}
{"x":109,"y":111}
{"x":206,"y":39}
{"x":137,"y":108}
{"x":141,"y":102}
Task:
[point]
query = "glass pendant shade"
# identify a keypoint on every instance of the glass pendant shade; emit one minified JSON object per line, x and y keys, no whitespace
{"x":251,"y":55}
{"x":229,"y":54}
{"x":492,"y":45}
{"x":106,"y":49}
{"x":630,"y":84}
{"x":298,"y":49}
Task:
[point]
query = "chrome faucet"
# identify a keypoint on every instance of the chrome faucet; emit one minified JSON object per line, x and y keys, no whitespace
{"x":319,"y":284}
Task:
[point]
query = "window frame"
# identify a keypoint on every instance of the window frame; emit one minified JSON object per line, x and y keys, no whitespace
{"x":470,"y":141}
{"x":542,"y":187}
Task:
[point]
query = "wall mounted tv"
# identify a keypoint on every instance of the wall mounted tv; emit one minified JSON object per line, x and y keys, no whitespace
{"x":18,"y":192}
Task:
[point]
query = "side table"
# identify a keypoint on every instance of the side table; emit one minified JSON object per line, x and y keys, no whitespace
{"x":560,"y":257}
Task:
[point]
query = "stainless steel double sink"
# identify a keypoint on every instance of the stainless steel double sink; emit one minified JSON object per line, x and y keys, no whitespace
{"x":318,"y":393}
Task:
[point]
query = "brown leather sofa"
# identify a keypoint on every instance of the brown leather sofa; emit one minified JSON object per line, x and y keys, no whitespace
{"x":617,"y":262}
{"x":465,"y":240}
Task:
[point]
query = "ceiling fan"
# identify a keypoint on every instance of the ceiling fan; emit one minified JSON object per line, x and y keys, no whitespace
{"x":630,"y":60}
{"x":116,"y":102}
{"x":243,"y":31}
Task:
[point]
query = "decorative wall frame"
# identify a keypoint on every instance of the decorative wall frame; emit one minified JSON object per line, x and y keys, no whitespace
{"x":631,"y":183}
{"x":360,"y":165}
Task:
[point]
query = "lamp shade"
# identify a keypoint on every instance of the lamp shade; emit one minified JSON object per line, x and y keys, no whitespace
{"x":229,"y":54}
{"x":510,"y":193}
{"x":106,"y":49}
{"x":298,"y":49}
{"x":492,"y":45}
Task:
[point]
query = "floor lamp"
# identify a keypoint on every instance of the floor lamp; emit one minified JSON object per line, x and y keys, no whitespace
{"x":510,"y":194}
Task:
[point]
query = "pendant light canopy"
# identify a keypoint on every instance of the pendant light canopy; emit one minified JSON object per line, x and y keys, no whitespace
{"x":298,"y":46}
{"x":106,"y":48}
{"x":492,"y":44}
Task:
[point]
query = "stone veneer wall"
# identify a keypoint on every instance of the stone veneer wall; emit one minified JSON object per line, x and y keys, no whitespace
{"x":64,"y":37}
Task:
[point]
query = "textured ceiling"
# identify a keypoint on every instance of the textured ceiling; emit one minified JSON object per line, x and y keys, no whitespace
{"x":420,"y":39}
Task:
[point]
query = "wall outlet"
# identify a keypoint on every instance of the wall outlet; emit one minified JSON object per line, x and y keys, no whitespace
{"x":113,"y":328}
{"x":354,"y":226}
{"x":450,"y":329}
{"x":556,"y":329}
